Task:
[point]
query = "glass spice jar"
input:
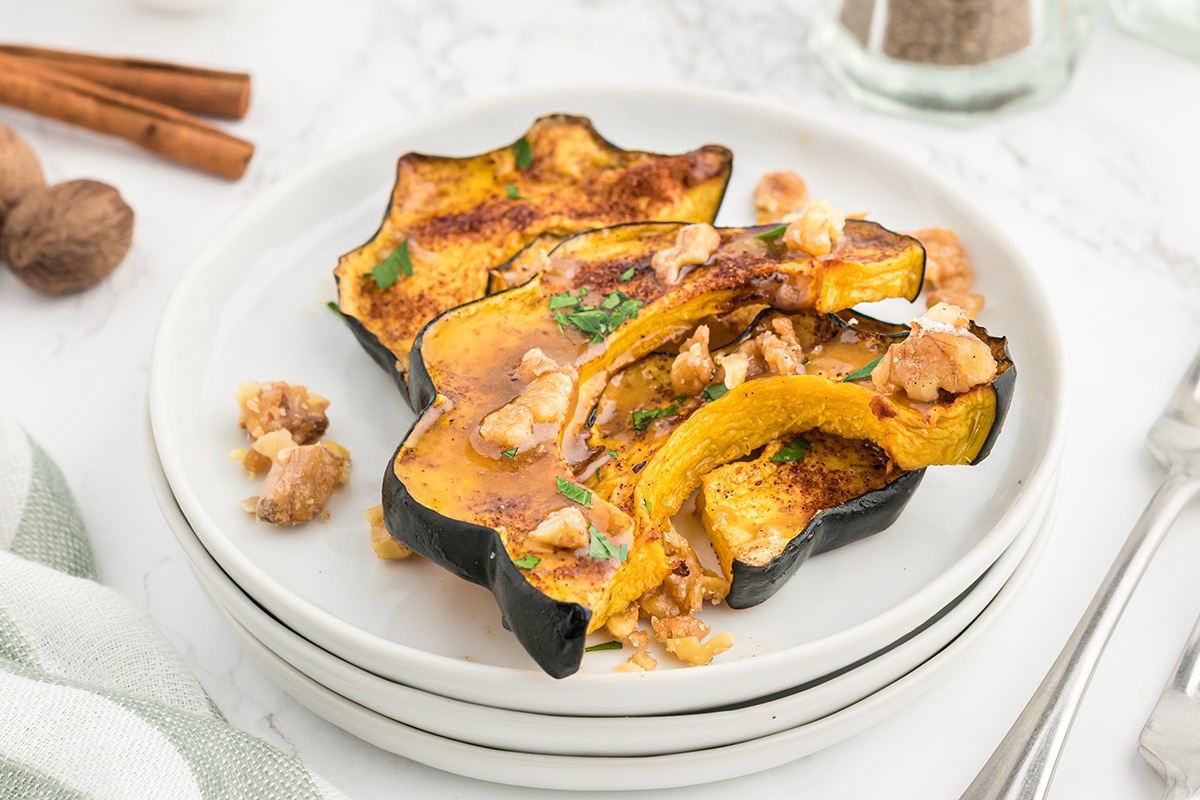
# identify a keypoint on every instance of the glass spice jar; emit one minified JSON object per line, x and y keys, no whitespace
{"x":956,"y":57}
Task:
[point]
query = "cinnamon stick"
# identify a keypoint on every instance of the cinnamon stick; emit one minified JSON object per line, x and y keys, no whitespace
{"x":200,"y":91}
{"x":156,"y":127}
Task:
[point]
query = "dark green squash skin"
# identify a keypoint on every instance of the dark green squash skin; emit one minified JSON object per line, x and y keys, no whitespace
{"x":551,"y":631}
{"x":1003,"y":386}
{"x":835,"y":527}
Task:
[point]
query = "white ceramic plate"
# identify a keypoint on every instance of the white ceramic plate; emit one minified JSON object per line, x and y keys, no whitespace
{"x":253,"y":307}
{"x":568,"y":773}
{"x":592,"y":736}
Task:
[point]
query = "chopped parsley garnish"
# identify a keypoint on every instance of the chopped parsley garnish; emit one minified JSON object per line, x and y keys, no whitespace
{"x":613,"y":453}
{"x":527,"y":562}
{"x":862,"y":372}
{"x":648,"y":504}
{"x":388,"y":271}
{"x":511,"y":192}
{"x":643,"y":417}
{"x":628,"y":274}
{"x":606,"y":646}
{"x":575,"y":492}
{"x":600,"y":546}
{"x":334,"y":307}
{"x":792,"y":451}
{"x":714,"y":392}
{"x":774,"y":233}
{"x":523,"y":153}
{"x":599,"y":320}
{"x":512,"y":453}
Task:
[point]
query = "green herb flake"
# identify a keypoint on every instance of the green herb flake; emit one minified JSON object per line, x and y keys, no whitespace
{"x":388,"y":271}
{"x":792,"y":451}
{"x":589,"y":320}
{"x":511,"y":192}
{"x":628,"y":274}
{"x":715,"y":392}
{"x":564,"y":300}
{"x":595,"y":648}
{"x":527,"y":562}
{"x":862,"y":372}
{"x":509,"y":453}
{"x":613,"y":453}
{"x":333,"y":306}
{"x":523,"y":153}
{"x":643,"y":417}
{"x":648,"y":504}
{"x":600,"y":546}
{"x":575,"y":492}
{"x":774,"y":233}
{"x":599,"y":320}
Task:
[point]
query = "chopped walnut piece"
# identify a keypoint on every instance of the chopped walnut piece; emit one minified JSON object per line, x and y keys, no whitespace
{"x":693,"y":368}
{"x":970,"y":302}
{"x":267,"y":407}
{"x":946,"y":263}
{"x":251,"y":460}
{"x":546,"y":399}
{"x":693,"y":245}
{"x":940,"y":353}
{"x":300,"y":482}
{"x":733,"y":369}
{"x":270,"y":444}
{"x":549,"y":397}
{"x":691,"y":650}
{"x":385,"y":546}
{"x":817,"y":229}
{"x":509,"y":426}
{"x":566,"y":528}
{"x":781,"y":351}
{"x":623,"y":623}
{"x":640,"y":661}
{"x":779,"y":194}
{"x":678,"y":627}
{"x":535,"y":364}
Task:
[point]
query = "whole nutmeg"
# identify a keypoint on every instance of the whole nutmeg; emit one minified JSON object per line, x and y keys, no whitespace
{"x":20,"y":170}
{"x":67,"y":237}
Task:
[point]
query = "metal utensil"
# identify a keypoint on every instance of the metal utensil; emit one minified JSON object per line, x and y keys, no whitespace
{"x":1023,"y":764}
{"x":1170,"y":741}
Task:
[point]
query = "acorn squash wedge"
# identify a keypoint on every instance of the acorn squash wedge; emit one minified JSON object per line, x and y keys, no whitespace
{"x":767,"y":515}
{"x":468,"y":502}
{"x":451,"y":220}
{"x":855,"y":484}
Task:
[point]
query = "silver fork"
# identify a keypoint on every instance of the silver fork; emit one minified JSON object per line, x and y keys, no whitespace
{"x":1023,"y":764}
{"x":1170,"y":741}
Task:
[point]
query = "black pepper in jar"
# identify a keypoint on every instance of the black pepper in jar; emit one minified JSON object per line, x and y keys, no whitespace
{"x":943,"y":32}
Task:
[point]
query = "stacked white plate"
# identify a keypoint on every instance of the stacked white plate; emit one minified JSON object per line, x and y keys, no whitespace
{"x":416,"y":661}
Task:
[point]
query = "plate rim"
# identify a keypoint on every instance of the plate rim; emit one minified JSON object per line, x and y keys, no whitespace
{"x":630,"y":773}
{"x":775,"y":714}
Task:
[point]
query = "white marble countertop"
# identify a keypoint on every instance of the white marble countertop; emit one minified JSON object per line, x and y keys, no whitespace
{"x":1098,"y":186}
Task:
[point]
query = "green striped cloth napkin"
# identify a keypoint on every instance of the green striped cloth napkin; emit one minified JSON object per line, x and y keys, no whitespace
{"x":94,"y":702}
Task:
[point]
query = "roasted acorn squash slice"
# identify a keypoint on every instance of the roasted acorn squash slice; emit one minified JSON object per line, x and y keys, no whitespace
{"x":639,"y":412}
{"x":464,"y":501}
{"x":451,"y":220}
{"x":765,"y":516}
